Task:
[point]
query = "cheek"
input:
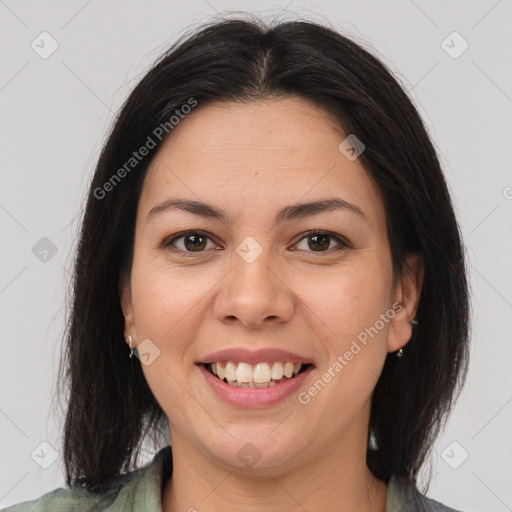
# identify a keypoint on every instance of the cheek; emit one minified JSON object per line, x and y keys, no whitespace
{"x":347,"y":316}
{"x":167,"y":303}
{"x":348,"y":302}
{"x":167,"y":306}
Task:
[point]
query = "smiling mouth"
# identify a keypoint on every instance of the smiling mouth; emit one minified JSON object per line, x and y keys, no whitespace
{"x":260,"y":375}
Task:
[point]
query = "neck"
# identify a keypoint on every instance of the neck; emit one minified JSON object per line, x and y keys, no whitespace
{"x":338,"y":480}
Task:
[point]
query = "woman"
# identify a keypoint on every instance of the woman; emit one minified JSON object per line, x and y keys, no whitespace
{"x":269,"y":228}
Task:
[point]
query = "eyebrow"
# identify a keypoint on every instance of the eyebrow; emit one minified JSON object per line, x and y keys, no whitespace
{"x":287,"y":213}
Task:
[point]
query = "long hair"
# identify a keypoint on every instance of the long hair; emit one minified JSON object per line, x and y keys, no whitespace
{"x":110,"y":407}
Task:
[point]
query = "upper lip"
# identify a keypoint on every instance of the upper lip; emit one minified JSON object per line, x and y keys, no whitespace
{"x":240,"y":354}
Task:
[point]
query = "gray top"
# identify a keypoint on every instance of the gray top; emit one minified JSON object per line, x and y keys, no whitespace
{"x":141,"y":490}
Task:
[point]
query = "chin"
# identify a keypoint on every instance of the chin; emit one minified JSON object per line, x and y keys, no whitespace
{"x":253,"y":450}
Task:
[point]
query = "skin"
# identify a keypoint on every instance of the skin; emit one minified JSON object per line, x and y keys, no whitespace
{"x":251,"y":160}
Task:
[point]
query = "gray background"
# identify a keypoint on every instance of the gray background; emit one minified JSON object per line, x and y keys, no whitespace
{"x":54,"y":115}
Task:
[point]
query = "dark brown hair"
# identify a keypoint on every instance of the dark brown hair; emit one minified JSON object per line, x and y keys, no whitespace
{"x":110,"y":407}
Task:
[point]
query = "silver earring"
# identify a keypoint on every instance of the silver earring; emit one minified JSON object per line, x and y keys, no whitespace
{"x":131,"y":348}
{"x":414,"y":322}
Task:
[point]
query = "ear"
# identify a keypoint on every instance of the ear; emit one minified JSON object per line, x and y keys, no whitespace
{"x":407,"y":293}
{"x":127,"y":307}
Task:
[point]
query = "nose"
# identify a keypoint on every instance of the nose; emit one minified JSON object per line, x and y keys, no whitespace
{"x":254,"y":294}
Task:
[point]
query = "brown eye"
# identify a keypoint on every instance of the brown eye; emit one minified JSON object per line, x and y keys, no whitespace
{"x":194,"y":242}
{"x":319,"y":241}
{"x":191,"y":241}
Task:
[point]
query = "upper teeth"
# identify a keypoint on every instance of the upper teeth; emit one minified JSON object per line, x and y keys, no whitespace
{"x":259,"y":373}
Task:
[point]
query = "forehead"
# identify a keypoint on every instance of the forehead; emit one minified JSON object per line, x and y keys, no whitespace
{"x":270,"y":153}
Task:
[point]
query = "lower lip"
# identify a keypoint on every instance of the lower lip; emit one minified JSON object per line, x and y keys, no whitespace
{"x":254,"y":397}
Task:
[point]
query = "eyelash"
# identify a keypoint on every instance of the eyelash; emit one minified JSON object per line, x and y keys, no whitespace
{"x":168,"y":242}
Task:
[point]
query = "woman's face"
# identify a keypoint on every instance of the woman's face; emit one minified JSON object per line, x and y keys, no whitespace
{"x":261,"y":285}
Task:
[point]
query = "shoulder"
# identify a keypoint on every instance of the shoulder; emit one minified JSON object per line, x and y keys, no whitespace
{"x":403,"y":496}
{"x":125,"y":492}
{"x":69,"y":498}
{"x":76,"y":498}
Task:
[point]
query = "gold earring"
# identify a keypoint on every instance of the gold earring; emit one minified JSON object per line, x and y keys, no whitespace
{"x":399,"y":353}
{"x":131,"y":348}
